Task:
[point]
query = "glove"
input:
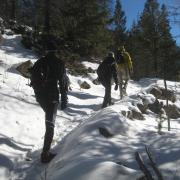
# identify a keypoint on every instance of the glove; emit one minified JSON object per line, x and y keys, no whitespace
{"x":116,"y":87}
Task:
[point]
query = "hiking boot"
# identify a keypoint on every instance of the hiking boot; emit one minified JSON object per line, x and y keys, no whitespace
{"x":47,"y":157}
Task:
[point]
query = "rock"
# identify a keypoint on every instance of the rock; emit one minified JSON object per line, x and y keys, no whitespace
{"x":85,"y":85}
{"x":168,"y":94}
{"x":172,"y":111}
{"x":96,"y":82}
{"x":156,"y":92}
{"x":137,"y":115}
{"x":162,"y":93}
{"x":127,"y":114}
{"x":133,"y":114}
{"x":143,"y":108}
{"x":155,"y":107}
{"x":103,"y":131}
{"x":23,"y":68}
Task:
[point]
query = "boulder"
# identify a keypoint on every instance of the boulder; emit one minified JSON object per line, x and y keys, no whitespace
{"x":172,"y":111}
{"x":162,"y":93}
{"x":105,"y":132}
{"x":156,"y":92}
{"x":169,"y":94}
{"x":133,"y":114}
{"x":127,"y":114}
{"x":155,"y":107}
{"x":142,"y":107}
{"x":85,"y":85}
{"x":137,"y":115}
{"x":96,"y":82}
{"x":23,"y":68}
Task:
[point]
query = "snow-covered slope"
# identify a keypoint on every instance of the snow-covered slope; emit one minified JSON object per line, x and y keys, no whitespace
{"x":84,"y":153}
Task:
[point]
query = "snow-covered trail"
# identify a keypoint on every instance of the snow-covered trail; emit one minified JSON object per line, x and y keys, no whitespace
{"x":22,"y":120}
{"x":21,"y":117}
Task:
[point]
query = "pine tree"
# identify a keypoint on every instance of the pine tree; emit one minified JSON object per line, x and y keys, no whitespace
{"x":151,"y":39}
{"x":85,"y":24}
{"x":47,"y":9}
{"x":137,"y":51}
{"x":120,"y":25}
{"x":149,"y":25}
{"x":8,"y":9}
{"x":167,"y":45}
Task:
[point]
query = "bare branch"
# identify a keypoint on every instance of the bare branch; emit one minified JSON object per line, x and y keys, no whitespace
{"x":143,"y":167}
{"x":153,"y":164}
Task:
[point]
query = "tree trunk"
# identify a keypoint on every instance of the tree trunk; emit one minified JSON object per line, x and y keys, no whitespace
{"x":47,"y":17}
{"x":13,"y":10}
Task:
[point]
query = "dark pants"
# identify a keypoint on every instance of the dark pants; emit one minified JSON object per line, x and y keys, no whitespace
{"x":107,"y":96}
{"x":50,"y":109}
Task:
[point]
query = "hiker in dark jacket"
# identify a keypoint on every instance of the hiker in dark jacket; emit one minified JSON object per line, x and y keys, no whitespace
{"x":47,"y":87}
{"x":106,"y":72}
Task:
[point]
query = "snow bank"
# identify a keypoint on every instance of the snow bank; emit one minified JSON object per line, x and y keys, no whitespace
{"x":87,"y":154}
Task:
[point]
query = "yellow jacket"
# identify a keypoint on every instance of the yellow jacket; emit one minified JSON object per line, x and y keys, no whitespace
{"x":128,"y":61}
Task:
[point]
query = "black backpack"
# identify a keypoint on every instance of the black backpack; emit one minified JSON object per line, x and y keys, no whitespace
{"x":38,"y":74}
{"x":120,"y":58}
{"x":104,"y":70}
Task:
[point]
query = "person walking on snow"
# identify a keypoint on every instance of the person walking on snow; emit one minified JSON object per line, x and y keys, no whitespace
{"x":124,"y":69}
{"x":106,"y":73}
{"x":48,"y":78}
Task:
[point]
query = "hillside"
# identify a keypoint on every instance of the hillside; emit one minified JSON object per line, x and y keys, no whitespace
{"x":84,"y":151}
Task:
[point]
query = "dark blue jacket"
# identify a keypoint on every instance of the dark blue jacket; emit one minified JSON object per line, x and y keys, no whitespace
{"x":107,"y":70}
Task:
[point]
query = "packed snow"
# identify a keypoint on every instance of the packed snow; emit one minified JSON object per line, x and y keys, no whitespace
{"x":84,"y":153}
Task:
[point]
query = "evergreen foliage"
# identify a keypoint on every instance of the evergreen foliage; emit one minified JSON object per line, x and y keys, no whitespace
{"x":119,"y":25}
{"x":154,"y":49}
{"x":85,"y":24}
{"x":89,"y":28}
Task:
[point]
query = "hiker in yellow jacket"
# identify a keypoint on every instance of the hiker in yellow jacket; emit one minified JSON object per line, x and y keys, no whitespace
{"x":124,"y":69}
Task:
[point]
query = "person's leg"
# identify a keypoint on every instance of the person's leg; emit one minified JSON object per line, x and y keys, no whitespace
{"x":64,"y":100}
{"x":123,"y":82}
{"x":50,"y":116}
{"x":125,"y":87}
{"x":120,"y":73}
{"x":126,"y":78}
{"x":107,"y":96}
{"x":120,"y":85}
